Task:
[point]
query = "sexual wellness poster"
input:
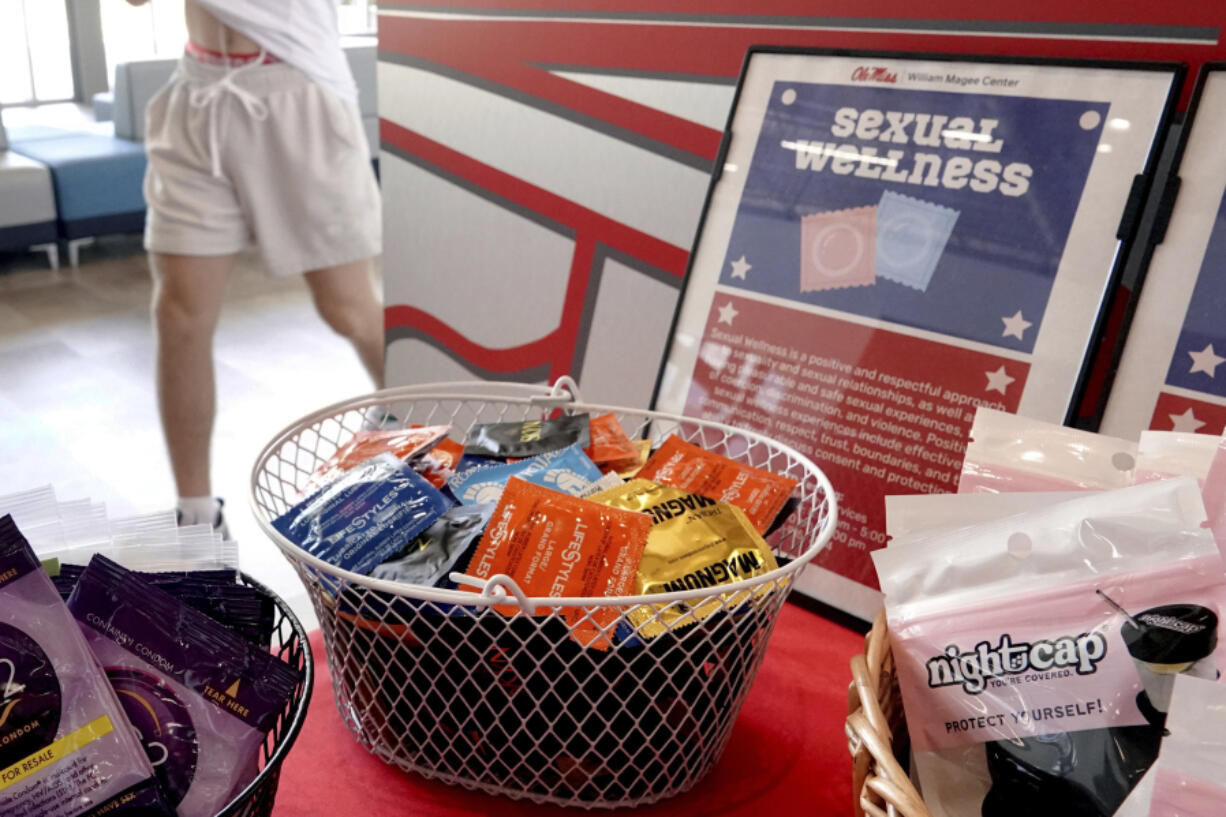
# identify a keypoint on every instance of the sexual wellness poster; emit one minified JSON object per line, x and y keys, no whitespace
{"x":890,"y":264}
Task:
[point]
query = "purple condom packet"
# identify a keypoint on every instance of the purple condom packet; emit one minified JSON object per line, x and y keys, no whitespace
{"x":246,"y":610}
{"x":201,"y":697}
{"x":65,"y":746}
{"x":366,"y":516}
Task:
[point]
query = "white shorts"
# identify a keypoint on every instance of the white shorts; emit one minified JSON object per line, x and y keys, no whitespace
{"x":268,"y":157}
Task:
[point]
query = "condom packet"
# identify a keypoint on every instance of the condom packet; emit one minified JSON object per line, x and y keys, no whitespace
{"x":403,"y":443}
{"x":1036,"y":653}
{"x":609,"y":443}
{"x":695,"y":542}
{"x":244,"y":609}
{"x":629,"y":467}
{"x":1165,"y":454}
{"x":528,"y":438}
{"x":567,"y":470}
{"x":1009,"y":453}
{"x":431,"y":556}
{"x":65,"y":746}
{"x":440,"y":462}
{"x":200,"y":697}
{"x":365,"y":516}
{"x":556,"y":545}
{"x":760,"y":494}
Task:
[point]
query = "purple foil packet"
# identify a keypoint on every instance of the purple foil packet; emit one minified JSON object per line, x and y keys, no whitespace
{"x":200,"y":696}
{"x":65,"y":746}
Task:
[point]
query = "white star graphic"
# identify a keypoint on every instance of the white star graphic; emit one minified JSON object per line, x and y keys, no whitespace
{"x":1186,"y":421}
{"x":1205,"y":361}
{"x":999,"y":380}
{"x":727,"y":312}
{"x":740,"y":267}
{"x":1016,"y":326}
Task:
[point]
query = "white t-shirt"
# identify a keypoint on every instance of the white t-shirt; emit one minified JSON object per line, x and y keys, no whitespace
{"x":302,"y":33}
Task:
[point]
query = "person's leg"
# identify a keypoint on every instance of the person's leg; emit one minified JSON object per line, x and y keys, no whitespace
{"x":187,"y":296}
{"x":346,"y":300}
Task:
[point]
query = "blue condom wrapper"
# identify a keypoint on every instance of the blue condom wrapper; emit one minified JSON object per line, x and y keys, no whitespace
{"x":568,"y":470}
{"x":366,"y":516}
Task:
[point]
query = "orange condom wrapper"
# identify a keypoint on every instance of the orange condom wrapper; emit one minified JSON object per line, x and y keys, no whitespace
{"x":556,"y":545}
{"x":609,"y":442}
{"x":402,"y":443}
{"x":760,"y":494}
{"x":629,"y":467}
{"x":438,"y":464}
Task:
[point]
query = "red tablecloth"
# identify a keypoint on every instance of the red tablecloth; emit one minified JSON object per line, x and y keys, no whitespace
{"x":787,"y":754}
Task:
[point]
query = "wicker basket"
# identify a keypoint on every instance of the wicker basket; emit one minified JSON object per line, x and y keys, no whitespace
{"x":877,"y":733}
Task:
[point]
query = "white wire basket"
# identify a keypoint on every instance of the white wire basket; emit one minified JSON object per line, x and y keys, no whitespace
{"x":489,"y":691}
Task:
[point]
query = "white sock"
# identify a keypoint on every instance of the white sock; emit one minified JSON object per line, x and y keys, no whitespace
{"x":198,"y":510}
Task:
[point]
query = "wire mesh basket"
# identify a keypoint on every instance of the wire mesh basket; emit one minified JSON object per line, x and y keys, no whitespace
{"x":289,"y":643}
{"x":488,"y":690}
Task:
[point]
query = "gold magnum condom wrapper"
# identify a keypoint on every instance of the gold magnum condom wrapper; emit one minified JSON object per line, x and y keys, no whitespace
{"x":695,"y":542}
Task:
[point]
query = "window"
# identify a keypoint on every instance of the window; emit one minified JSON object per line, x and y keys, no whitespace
{"x":154,"y":30}
{"x":357,"y":16}
{"x":35,"y":63}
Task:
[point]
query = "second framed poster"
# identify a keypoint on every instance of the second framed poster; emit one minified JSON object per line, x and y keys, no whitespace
{"x":894,"y":240}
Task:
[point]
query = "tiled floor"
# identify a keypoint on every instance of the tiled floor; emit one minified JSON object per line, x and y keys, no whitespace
{"x":77,"y":406}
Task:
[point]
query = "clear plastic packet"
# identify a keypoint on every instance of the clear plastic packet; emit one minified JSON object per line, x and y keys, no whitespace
{"x":1036,"y":653}
{"x":911,"y":516}
{"x":65,"y":746}
{"x":364,"y":517}
{"x":1166,"y":454}
{"x":568,"y":470}
{"x":1187,"y":779}
{"x":30,"y":508}
{"x":152,"y":549}
{"x":200,"y":697}
{"x":158,"y":520}
{"x":1009,"y":453}
{"x":528,"y":438}
{"x":430,"y":558}
{"x":1214,"y":492}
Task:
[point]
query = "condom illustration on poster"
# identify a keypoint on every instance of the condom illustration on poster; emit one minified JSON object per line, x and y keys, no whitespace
{"x":894,"y":241}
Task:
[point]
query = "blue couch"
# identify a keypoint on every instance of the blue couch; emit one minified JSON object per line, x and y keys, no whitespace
{"x":98,"y":174}
{"x":27,"y":202}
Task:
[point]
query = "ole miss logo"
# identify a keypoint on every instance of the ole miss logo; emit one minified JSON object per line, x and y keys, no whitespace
{"x":873,"y":73}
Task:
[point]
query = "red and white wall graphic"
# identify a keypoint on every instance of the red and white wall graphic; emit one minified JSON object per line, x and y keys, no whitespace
{"x":544,"y":163}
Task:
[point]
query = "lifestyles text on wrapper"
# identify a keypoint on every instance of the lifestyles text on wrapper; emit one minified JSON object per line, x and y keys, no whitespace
{"x":556,"y":545}
{"x":1036,"y":653}
{"x":695,"y":542}
{"x":760,"y":494}
{"x":364,"y":517}
{"x":65,"y":746}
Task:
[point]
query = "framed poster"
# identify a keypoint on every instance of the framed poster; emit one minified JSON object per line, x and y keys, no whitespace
{"x":895,"y":239}
{"x":1168,"y":377}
